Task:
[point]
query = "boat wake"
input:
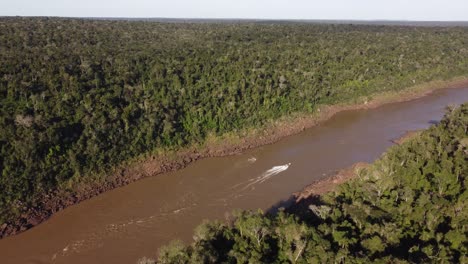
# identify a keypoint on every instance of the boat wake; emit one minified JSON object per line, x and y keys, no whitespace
{"x":95,"y":240}
{"x":264,"y":177}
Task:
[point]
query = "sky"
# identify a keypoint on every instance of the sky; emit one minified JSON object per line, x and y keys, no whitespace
{"x":420,"y":10}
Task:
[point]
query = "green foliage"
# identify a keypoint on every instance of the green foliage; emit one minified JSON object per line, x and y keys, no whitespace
{"x":79,"y":97}
{"x":174,"y":253}
{"x":410,"y":206}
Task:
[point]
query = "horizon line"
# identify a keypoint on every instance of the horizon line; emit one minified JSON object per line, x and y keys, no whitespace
{"x":233,"y":18}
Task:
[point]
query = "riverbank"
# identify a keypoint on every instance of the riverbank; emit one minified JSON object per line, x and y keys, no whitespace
{"x":222,"y":146}
{"x":312,"y":192}
{"x":391,"y":212}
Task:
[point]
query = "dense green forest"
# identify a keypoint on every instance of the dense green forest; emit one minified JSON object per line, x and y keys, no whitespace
{"x":410,"y":206}
{"x":78,"y":96}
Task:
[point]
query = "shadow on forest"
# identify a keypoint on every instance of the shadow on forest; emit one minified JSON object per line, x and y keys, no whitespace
{"x":299,"y":209}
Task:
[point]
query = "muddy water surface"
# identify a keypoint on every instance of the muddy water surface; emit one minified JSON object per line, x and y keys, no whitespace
{"x":125,"y":224}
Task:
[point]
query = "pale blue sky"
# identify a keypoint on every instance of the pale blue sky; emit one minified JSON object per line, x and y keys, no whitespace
{"x":441,"y":10}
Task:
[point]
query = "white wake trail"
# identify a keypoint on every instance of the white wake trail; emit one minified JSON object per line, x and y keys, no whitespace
{"x":267,"y":175}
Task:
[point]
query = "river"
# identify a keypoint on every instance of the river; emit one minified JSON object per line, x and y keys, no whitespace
{"x":127,"y":223}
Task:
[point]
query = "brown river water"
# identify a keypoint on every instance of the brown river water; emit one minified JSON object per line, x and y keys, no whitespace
{"x":124,"y":224}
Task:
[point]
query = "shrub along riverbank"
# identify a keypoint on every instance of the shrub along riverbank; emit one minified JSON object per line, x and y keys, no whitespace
{"x":410,"y":206}
{"x":80,"y":97}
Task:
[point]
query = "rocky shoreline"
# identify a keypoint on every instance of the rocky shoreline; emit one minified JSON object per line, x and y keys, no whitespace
{"x":154,"y":165}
